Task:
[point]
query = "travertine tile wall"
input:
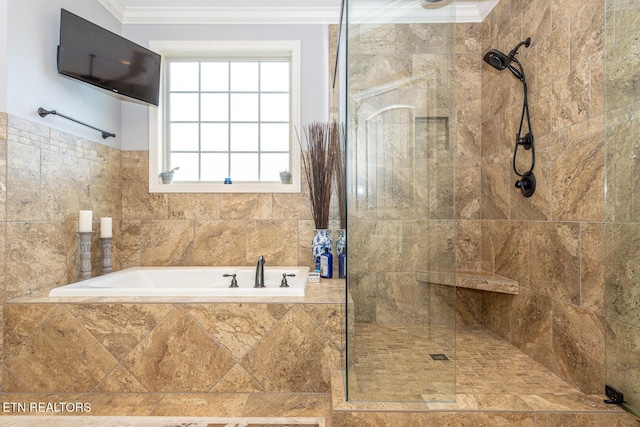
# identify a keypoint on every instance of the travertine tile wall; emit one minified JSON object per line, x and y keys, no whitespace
{"x":622,"y":219}
{"x":47,"y":177}
{"x":553,"y":242}
{"x":211,"y":229}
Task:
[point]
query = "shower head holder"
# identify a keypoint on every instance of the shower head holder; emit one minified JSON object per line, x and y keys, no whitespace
{"x":526,"y":141}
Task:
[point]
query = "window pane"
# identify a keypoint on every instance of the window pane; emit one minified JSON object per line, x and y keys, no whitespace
{"x":274,"y":107}
{"x":271,"y":164}
{"x":215,"y":76}
{"x":215,"y":166}
{"x":215,"y":137}
{"x":244,"y":137}
{"x":184,"y":76}
{"x":184,"y":107}
{"x":188,"y":164}
{"x":215,"y":107}
{"x":244,"y":167}
{"x":274,"y":76}
{"x":244,"y":76}
{"x":244,"y":107}
{"x":274,"y":137}
{"x":184,"y":137}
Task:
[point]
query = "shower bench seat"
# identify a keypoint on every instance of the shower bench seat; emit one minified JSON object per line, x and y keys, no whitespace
{"x":471,"y":279}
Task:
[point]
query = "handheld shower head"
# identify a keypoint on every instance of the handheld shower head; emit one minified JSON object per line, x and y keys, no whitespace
{"x":500,"y":61}
{"x":497,"y":59}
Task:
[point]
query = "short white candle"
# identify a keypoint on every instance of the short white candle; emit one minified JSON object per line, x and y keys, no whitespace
{"x":105,"y":228}
{"x":84,"y":225}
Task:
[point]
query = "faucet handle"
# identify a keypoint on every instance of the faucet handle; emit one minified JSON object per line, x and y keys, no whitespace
{"x":284,"y":283}
{"x":234,"y":282}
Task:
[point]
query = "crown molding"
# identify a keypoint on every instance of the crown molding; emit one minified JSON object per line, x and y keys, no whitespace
{"x":465,"y":11}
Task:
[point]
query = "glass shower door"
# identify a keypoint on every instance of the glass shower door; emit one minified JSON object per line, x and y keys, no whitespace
{"x":401,"y":128}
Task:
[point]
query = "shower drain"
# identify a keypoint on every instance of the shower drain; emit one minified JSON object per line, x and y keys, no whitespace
{"x":439,"y":356}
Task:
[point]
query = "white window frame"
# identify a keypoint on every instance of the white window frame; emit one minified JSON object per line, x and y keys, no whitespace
{"x":226,"y":49}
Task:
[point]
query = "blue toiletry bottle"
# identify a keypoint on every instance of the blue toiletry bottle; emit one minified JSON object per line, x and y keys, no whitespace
{"x":342,"y":264}
{"x":326,"y":264}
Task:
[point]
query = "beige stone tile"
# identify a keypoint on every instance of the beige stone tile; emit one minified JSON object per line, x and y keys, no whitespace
{"x":531,"y":320}
{"x":379,"y":419}
{"x":567,"y":402}
{"x":36,"y":257}
{"x":592,"y":272}
{"x":571,"y":97}
{"x":246,"y":206}
{"x":579,"y":164}
{"x":622,"y":348}
{"x":621,"y":60}
{"x":496,"y":313}
{"x":292,"y":206}
{"x":137,"y":202}
{"x":65,"y":186}
{"x":555,"y":259}
{"x":119,"y":381}
{"x":295,"y":356}
{"x":586,"y":420}
{"x":237,"y":327}
{"x":401,"y":299}
{"x":194,"y":206}
{"x":579,"y":347}
{"x":467,"y":192}
{"x":587,"y":32}
{"x":563,"y":10}
{"x":460,"y":419}
{"x":287,"y":405}
{"x":124,"y":404}
{"x":621,"y":256}
{"x":626,"y":18}
{"x":468,"y":306}
{"x":167,"y":242}
{"x":494,"y":200}
{"x":273,"y":239}
{"x":131,"y":244}
{"x":105,"y":186}
{"x":468,"y":245}
{"x":237,"y":380}
{"x":178,"y":355}
{"x":553,"y":54}
{"x":330,"y":317}
{"x":487,"y":246}
{"x":23,"y":191}
{"x":511,"y":250}
{"x":119,"y":327}
{"x":201,"y":404}
{"x":220,"y":242}
{"x":21,"y":320}
{"x":597,"y":85}
{"x":58,"y":345}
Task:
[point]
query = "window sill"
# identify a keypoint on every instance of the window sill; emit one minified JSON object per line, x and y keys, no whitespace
{"x":191,"y":187}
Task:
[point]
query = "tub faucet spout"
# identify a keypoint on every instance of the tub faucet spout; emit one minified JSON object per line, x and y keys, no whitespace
{"x":260,"y":273}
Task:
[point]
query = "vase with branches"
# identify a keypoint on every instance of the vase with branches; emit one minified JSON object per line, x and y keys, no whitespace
{"x":319,"y":163}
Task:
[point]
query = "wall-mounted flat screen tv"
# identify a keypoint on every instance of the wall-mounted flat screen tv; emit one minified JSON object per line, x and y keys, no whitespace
{"x":94,"y":55}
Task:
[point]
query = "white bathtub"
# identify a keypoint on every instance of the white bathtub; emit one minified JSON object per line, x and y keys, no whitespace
{"x":187,"y":282}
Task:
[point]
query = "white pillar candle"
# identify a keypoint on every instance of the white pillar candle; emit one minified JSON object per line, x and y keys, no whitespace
{"x":84,"y":225}
{"x":106,"y":228}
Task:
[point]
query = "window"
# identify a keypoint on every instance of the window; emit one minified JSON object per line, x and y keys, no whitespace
{"x":227,"y":110}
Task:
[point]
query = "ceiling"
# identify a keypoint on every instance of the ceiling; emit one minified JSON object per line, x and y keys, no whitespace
{"x":287,"y":11}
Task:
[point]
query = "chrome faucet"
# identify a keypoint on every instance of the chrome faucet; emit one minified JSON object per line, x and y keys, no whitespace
{"x":260,"y":273}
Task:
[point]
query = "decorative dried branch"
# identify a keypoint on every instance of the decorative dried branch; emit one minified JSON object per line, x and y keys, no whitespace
{"x":341,"y":178}
{"x":319,"y":161}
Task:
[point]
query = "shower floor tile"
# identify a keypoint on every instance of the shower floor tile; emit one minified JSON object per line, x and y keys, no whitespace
{"x":394,"y":363}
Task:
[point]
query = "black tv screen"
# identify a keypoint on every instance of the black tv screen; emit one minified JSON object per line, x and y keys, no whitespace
{"x":94,"y":55}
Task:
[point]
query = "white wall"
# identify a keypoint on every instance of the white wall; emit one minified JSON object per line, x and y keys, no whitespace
{"x":314,"y":72}
{"x":3,"y":55}
{"x":32,"y":80}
